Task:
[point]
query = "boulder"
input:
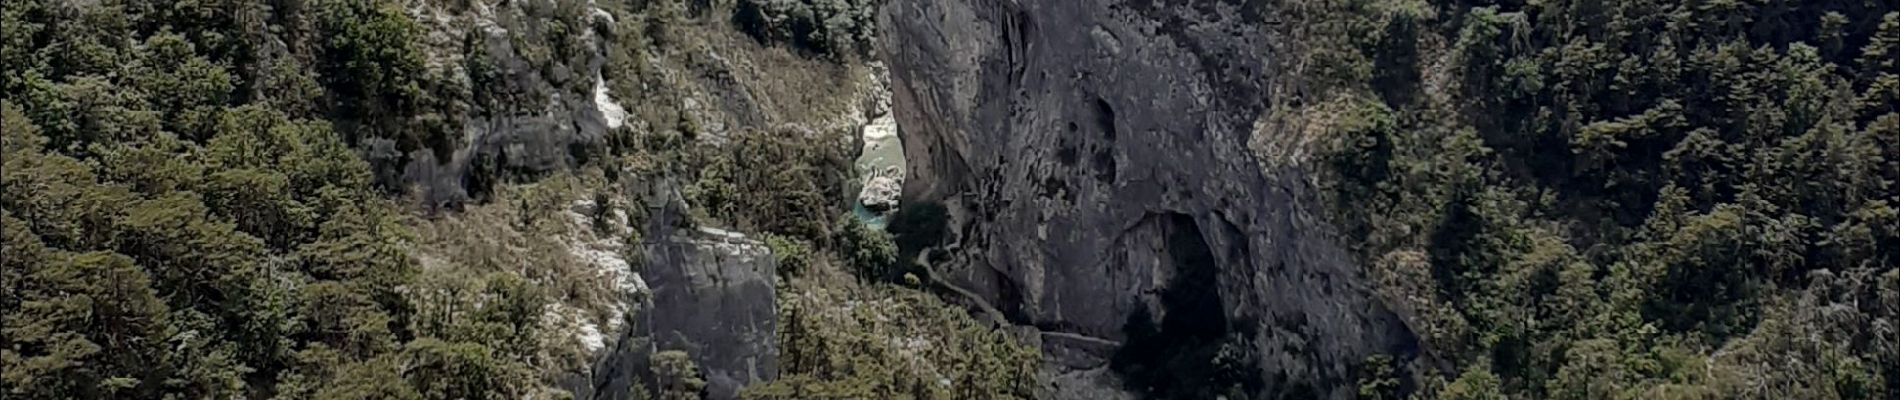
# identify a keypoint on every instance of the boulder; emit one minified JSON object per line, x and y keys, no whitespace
{"x":880,"y":193}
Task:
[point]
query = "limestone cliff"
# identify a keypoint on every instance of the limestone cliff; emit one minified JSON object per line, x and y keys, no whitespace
{"x":711,"y":296}
{"x":1094,"y":157}
{"x":545,"y":89}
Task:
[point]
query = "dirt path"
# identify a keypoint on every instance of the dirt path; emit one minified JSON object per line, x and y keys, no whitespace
{"x":996,"y":316}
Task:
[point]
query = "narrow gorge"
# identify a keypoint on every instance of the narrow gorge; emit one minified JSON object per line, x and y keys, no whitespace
{"x":1094,"y":158}
{"x":949,"y":199}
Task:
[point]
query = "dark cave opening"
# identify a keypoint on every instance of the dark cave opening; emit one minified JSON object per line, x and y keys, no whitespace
{"x":1192,"y":353}
{"x":1105,"y":119}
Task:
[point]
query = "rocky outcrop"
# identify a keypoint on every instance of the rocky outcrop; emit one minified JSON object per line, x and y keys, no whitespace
{"x":513,"y":108}
{"x":880,"y":193}
{"x":710,"y":295}
{"x":534,"y":88}
{"x":1094,"y":157}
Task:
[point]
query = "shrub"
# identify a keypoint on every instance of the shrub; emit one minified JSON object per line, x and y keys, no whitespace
{"x":834,"y":28}
{"x":794,"y":255}
{"x":372,"y":49}
{"x":678,"y":377}
{"x":870,"y":252}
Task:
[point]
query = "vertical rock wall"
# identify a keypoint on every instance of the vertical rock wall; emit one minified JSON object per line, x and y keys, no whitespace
{"x":711,"y":296}
{"x":1093,"y":155}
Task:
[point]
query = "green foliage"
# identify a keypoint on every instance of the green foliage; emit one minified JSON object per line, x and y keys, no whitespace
{"x":773,"y":181}
{"x":462,"y":370}
{"x":1615,"y":199}
{"x":220,"y":268}
{"x":188,"y":213}
{"x":1474,"y":384}
{"x":794,"y":256}
{"x":508,"y":318}
{"x":835,"y":28}
{"x":380,"y":89}
{"x":176,"y":225}
{"x":86,"y":324}
{"x":193,"y":87}
{"x":375,"y":379}
{"x":893,"y":343}
{"x":678,"y":377}
{"x":871,"y":253}
{"x":372,"y":58}
{"x":1379,"y":380}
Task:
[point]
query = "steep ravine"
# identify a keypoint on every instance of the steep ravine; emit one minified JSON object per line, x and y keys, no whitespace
{"x":1093,"y":156}
{"x":706,"y":282}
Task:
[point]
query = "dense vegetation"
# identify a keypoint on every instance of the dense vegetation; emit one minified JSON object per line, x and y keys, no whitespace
{"x":203,"y":200}
{"x":1564,"y":199}
{"x":837,"y":28}
{"x":1621,"y":199}
{"x":185,"y":217}
{"x":893,"y":343}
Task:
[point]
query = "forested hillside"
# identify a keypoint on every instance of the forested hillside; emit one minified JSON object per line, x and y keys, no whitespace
{"x":219,"y":199}
{"x":1620,"y":199}
{"x":314,"y":199}
{"x":181,"y":221}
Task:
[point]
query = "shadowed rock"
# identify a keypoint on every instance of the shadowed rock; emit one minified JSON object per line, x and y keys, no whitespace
{"x":1094,"y":159}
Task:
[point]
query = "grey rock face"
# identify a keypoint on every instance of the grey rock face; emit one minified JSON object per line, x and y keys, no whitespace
{"x":517,"y":115}
{"x":1094,"y":158}
{"x":712,"y":297}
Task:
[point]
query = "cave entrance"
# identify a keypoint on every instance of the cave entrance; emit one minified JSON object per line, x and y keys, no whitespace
{"x":1178,"y":357}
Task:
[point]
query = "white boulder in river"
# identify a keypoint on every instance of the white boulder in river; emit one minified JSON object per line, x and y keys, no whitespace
{"x":882,"y":163}
{"x":880,"y":192}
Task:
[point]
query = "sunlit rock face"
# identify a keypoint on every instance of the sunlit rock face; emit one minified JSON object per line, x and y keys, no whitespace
{"x":1094,"y":156}
{"x":708,"y":292}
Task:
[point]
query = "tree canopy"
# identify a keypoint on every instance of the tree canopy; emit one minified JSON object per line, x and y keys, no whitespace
{"x":1624,"y":199}
{"x":183,"y":218}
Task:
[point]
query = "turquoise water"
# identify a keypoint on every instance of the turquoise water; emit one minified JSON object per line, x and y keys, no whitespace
{"x":871,"y":219}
